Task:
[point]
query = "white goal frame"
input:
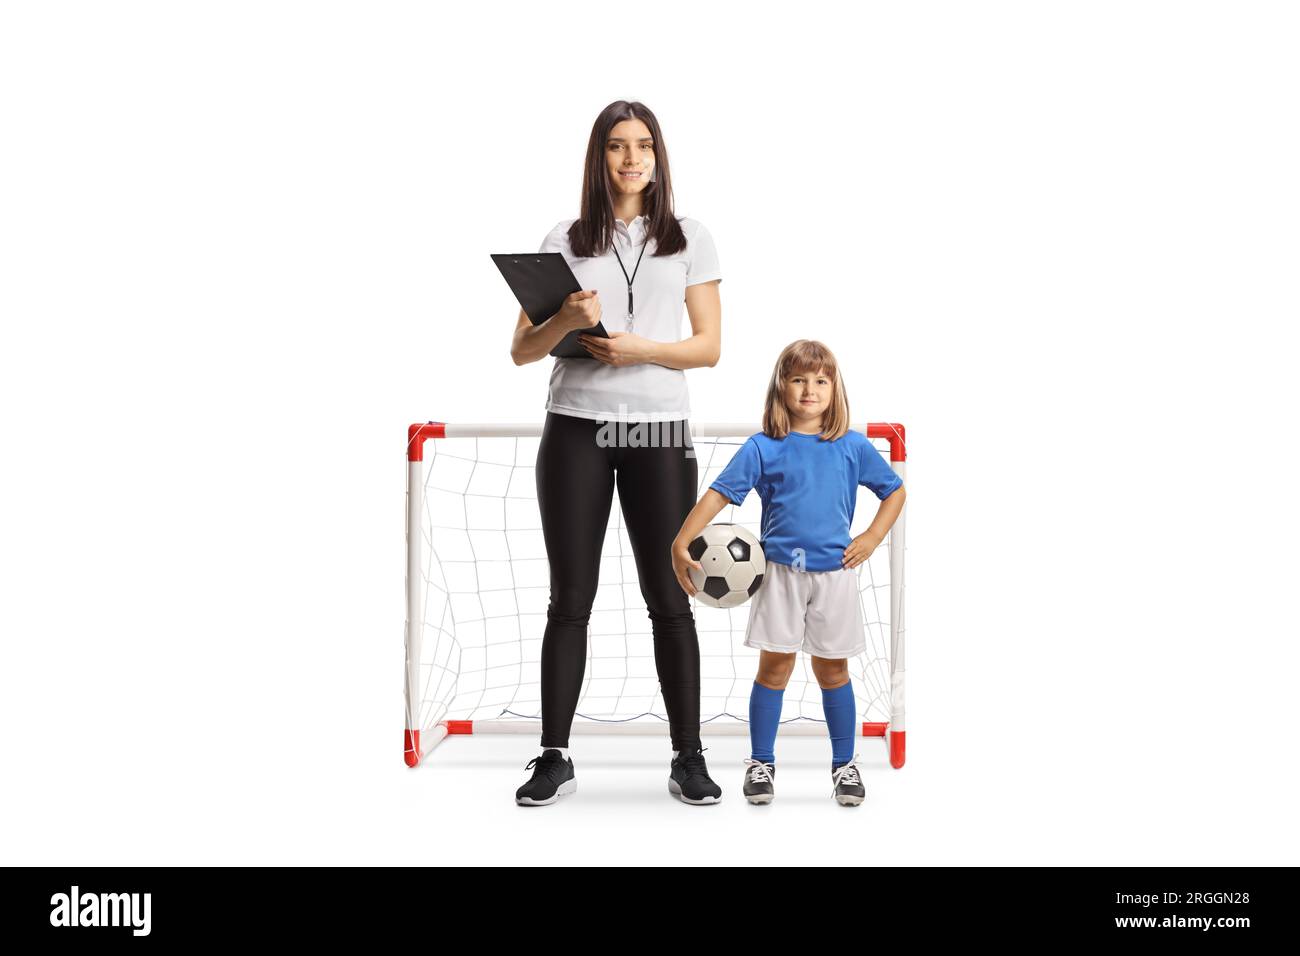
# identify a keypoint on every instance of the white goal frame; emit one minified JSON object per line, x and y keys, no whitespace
{"x":419,"y":741}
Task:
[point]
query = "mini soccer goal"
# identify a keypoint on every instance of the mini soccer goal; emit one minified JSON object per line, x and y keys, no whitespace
{"x":478,"y":586}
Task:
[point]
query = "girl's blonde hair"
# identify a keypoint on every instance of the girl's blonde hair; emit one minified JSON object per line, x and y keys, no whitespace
{"x":805,"y":356}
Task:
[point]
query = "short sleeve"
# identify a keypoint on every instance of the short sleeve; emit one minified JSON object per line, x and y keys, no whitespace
{"x":741,"y":474}
{"x":874,"y":472}
{"x":554,"y":241}
{"x":701,"y":258}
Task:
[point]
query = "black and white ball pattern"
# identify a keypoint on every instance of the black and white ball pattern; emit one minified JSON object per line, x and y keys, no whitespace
{"x":733,"y":563}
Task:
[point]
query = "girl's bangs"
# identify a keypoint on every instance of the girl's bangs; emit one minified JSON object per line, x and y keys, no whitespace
{"x":806,"y":361}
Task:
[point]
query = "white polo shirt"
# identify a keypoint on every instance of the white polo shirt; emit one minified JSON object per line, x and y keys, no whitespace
{"x":587,"y":388}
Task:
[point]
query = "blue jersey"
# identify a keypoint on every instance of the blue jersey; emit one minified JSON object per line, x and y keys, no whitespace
{"x":809,"y":489}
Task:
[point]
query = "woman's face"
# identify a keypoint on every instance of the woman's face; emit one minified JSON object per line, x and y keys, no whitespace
{"x":630,"y":153}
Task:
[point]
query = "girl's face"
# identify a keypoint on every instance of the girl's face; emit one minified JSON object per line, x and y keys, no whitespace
{"x":630,"y":153}
{"x":808,"y":395}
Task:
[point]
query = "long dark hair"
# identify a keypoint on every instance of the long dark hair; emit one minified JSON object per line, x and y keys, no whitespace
{"x":593,"y":232}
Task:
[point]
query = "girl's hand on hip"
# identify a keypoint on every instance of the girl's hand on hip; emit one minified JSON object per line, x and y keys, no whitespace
{"x":620,"y":349}
{"x":860,"y":549}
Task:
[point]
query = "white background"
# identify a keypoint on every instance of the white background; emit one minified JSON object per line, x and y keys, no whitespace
{"x":243,"y":245}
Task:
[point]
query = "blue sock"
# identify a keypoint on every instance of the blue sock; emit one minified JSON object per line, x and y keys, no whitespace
{"x":764,"y":716}
{"x":841,"y":714}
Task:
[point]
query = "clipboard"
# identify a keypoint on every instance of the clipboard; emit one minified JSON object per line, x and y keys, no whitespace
{"x":541,"y":281}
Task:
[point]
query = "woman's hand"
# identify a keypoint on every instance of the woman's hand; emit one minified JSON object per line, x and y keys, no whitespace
{"x":581,"y":310}
{"x":620,"y":349}
{"x":860,"y":549}
{"x":681,"y":563}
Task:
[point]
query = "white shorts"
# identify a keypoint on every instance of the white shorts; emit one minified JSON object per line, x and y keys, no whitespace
{"x":814,"y":611}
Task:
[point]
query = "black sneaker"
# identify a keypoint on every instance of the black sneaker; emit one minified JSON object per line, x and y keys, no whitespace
{"x":688,"y":777}
{"x":759,"y":785}
{"x":848,"y":790}
{"x":553,"y":777}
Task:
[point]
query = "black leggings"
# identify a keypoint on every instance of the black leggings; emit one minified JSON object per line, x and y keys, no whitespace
{"x":657,"y":489}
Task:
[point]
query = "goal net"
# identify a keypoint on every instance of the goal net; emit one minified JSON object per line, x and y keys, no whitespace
{"x":478,"y":586}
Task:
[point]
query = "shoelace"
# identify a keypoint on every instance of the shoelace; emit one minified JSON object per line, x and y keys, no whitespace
{"x":847,"y":774}
{"x":759,"y":772}
{"x":551,"y":766}
{"x":693,"y":763}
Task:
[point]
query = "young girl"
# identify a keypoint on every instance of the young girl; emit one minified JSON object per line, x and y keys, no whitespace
{"x":806,"y":466}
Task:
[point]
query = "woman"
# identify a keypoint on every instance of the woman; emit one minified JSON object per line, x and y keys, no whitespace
{"x":628,"y":250}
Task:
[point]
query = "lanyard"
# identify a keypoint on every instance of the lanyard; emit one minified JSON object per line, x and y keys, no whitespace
{"x":645,"y":242}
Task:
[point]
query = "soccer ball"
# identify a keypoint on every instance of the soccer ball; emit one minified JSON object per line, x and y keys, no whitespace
{"x":733,"y":563}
